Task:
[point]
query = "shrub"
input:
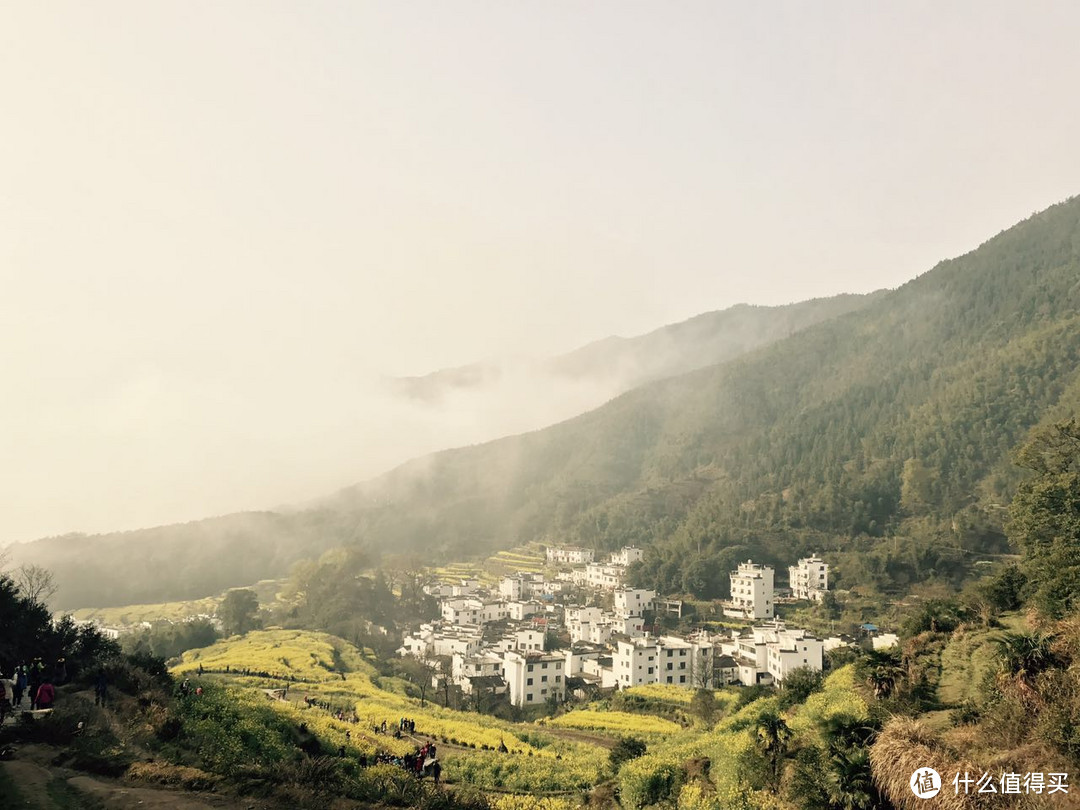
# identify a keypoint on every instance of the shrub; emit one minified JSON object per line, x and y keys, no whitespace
{"x":626,"y":749}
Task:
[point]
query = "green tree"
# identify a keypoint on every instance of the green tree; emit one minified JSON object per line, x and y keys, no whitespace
{"x":625,"y":749}
{"x":237,"y":611}
{"x":798,"y":685}
{"x":703,"y":705}
{"x":916,"y":487}
{"x":1045,"y":517}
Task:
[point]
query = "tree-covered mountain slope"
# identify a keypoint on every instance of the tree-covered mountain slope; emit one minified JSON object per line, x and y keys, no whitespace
{"x":617,"y":364}
{"x":895,"y":419}
{"x":198,"y":558}
{"x":905,"y":409}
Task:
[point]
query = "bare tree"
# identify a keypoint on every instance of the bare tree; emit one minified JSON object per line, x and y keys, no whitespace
{"x":35,"y":583}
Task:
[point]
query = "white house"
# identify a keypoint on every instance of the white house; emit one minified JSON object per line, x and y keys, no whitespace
{"x":627,"y":555}
{"x":461,"y":611}
{"x":633,"y":601}
{"x":793,"y":649}
{"x":751,"y":592}
{"x":463,"y":668}
{"x":465,"y":587}
{"x":810,"y":578}
{"x":534,"y":677}
{"x":604,"y":575}
{"x":685,"y":663}
{"x":518,"y":611}
{"x":667,"y":660}
{"x":634,"y":661}
{"x":511,"y":589}
{"x":569,"y":555}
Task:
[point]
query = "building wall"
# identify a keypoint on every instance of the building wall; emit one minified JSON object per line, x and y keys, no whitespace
{"x":534,"y":679}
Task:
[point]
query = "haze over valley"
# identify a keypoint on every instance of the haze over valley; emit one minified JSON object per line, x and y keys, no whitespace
{"x":487,"y":406}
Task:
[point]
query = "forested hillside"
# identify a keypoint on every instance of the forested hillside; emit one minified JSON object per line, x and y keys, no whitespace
{"x":200,"y":558}
{"x":618,"y":364}
{"x":898,"y":417}
{"x":895,"y":420}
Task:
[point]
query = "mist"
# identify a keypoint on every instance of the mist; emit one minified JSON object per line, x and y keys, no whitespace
{"x":227,"y":228}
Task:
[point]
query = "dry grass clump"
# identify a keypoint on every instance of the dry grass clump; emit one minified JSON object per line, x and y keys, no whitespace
{"x":178,"y":776}
{"x":906,"y":745}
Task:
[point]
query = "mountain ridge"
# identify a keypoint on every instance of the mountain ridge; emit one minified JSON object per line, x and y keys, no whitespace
{"x":808,"y":442}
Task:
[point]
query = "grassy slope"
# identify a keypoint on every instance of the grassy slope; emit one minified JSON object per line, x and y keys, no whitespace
{"x":966,"y":660}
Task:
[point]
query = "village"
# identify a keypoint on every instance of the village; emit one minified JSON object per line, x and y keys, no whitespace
{"x":497,"y":640}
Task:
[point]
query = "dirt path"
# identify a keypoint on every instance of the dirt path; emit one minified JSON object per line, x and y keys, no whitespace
{"x":123,"y":797}
{"x":580,"y":736}
{"x":32,"y":782}
{"x":42,"y":787}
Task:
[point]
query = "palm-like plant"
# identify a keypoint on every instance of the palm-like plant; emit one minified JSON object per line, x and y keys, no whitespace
{"x":1022,"y":657}
{"x":882,"y":670}
{"x":849,"y":784}
{"x":772,"y":735}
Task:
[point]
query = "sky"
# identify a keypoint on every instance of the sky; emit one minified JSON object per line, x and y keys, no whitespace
{"x":223,"y":224}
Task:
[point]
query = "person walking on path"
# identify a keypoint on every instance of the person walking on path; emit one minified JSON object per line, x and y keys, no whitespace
{"x":46,"y":694}
{"x":20,"y":684}
{"x":101,"y":689}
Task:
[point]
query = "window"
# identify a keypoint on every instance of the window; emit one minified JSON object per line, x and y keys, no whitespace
{"x":669,"y":666}
{"x":558,"y":678}
{"x":529,"y":696}
{"x":650,"y":670}
{"x":682,"y":665}
{"x":669,"y":679}
{"x":544,"y":665}
{"x":543,"y":691}
{"x":682,"y":679}
{"x":529,"y":682}
{"x":682,"y":653}
{"x":670,"y":653}
{"x":530,"y":667}
{"x":543,"y":679}
{"x":558,"y":665}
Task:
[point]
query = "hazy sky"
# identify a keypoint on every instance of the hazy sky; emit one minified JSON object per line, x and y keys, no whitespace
{"x":221,"y":222}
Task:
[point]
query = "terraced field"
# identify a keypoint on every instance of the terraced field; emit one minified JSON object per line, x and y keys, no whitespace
{"x":332,"y":673}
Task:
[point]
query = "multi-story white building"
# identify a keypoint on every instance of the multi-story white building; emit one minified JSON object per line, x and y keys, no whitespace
{"x":570,"y":555}
{"x":429,"y":641}
{"x":464,"y":587}
{"x":633,"y":601}
{"x":518,"y":611}
{"x":686,"y":662}
{"x":461,"y":611}
{"x":627,"y":555}
{"x":751,"y":592}
{"x":464,"y":668}
{"x":580,"y":620}
{"x":634,"y":661}
{"x":667,"y":660}
{"x":604,"y":575}
{"x":512,"y":589}
{"x":809,"y":579}
{"x":534,"y":677}
{"x":793,"y":649}
{"x":768,"y":652}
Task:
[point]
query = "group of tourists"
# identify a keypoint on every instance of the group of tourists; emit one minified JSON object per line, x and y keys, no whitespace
{"x":421,"y":762}
{"x":34,"y":681}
